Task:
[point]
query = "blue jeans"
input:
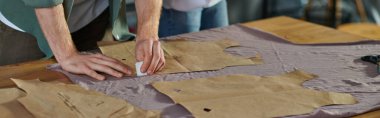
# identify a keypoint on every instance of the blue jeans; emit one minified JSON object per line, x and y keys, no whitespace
{"x":175,"y":22}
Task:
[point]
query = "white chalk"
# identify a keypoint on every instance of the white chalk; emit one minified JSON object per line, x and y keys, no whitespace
{"x":138,"y":67}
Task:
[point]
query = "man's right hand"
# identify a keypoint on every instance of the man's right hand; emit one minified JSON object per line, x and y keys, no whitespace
{"x":89,"y":64}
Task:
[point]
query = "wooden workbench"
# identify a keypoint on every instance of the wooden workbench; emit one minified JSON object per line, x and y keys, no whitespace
{"x":30,"y":70}
{"x":37,"y":69}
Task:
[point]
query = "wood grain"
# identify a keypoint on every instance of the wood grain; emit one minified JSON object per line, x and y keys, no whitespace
{"x":368,"y":30}
{"x":30,"y":70}
{"x":373,"y":114}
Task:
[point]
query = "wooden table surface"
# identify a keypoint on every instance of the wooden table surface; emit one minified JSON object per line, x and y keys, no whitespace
{"x":367,"y":30}
{"x":37,"y":70}
{"x":29,"y":70}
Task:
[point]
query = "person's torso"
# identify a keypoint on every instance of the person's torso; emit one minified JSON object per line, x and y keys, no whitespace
{"x":84,"y":11}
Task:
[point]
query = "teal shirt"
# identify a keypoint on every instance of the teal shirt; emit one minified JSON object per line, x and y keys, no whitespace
{"x":21,"y":13}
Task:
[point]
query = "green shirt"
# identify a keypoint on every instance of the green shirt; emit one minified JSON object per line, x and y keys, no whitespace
{"x":21,"y":13}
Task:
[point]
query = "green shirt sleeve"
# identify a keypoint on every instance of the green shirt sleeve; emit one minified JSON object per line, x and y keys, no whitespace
{"x":42,"y":3}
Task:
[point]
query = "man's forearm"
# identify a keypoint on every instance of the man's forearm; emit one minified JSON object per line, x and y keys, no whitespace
{"x":148,"y":16}
{"x":55,"y":29}
{"x":54,"y":26}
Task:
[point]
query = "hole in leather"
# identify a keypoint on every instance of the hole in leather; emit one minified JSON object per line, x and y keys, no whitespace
{"x":206,"y":109}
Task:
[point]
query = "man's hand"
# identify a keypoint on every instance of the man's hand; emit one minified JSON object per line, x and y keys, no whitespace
{"x":56,"y":31}
{"x":89,"y":64}
{"x":150,"y":52}
{"x":148,"y":48}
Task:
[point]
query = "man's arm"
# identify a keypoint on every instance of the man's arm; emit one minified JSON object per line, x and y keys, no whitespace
{"x":55,"y":29}
{"x":148,"y":48}
{"x":56,"y":32}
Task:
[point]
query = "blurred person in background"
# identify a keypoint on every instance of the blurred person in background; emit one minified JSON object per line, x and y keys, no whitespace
{"x":184,"y":16}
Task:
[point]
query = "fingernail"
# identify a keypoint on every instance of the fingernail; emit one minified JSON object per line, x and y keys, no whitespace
{"x":143,"y":71}
{"x":101,"y":78}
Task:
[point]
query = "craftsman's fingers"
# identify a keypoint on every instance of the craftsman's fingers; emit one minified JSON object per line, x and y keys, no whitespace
{"x":155,"y":59}
{"x":86,"y":70}
{"x":161,"y":63}
{"x":139,"y":51}
{"x":117,"y":65}
{"x":89,"y":64}
{"x":104,"y":69}
{"x":162,"y":60}
{"x":148,"y":55}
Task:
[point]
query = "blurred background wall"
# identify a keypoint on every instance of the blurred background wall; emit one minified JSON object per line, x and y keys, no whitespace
{"x":248,"y":10}
{"x":317,"y":11}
